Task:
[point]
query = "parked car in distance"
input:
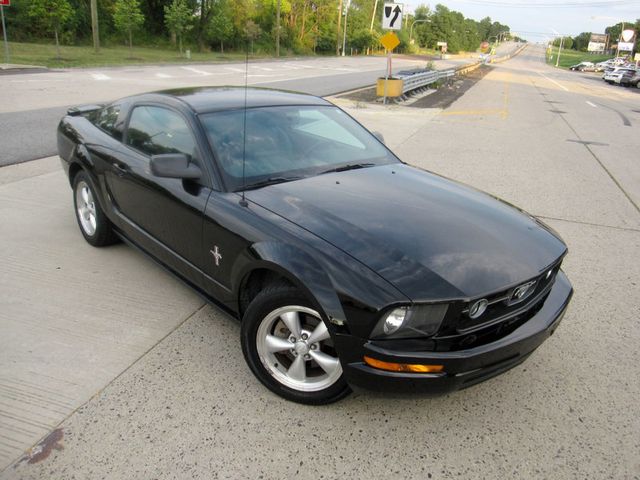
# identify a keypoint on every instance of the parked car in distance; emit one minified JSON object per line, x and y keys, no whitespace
{"x":633,"y":81}
{"x":346,"y":266}
{"x":619,"y":75}
{"x":611,"y":63}
{"x":583,"y":67}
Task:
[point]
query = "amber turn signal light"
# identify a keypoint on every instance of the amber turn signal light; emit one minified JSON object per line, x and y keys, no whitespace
{"x":403,"y":367}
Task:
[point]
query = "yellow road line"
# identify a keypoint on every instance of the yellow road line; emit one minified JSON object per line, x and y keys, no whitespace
{"x":503,"y":112}
{"x":494,"y":111}
{"x":505,"y":99}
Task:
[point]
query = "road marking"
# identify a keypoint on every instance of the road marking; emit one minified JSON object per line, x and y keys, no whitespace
{"x":239,"y":70}
{"x":553,"y":81}
{"x":505,"y":99}
{"x":591,"y":104}
{"x":163,"y":75}
{"x":195,"y":70}
{"x":490,"y":111}
{"x":100,"y":76}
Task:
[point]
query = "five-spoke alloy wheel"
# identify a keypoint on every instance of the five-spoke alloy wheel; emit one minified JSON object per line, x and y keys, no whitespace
{"x":289,"y":348}
{"x":94,"y":225}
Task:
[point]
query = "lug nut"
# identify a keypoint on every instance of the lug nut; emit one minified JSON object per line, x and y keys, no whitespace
{"x":314,"y":346}
{"x":292,"y":339}
{"x":307,"y":356}
{"x":305,"y":336}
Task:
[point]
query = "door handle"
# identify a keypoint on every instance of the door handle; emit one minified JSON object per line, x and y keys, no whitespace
{"x":120,"y":169}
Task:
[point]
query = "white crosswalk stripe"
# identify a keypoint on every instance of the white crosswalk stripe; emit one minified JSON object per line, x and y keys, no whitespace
{"x":100,"y":76}
{"x":195,"y":70}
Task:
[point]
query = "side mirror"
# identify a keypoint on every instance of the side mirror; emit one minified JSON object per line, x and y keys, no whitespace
{"x":174,"y":165}
{"x":379,"y":136}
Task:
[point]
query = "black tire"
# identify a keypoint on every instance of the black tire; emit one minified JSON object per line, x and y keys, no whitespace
{"x":95,"y":226}
{"x":256,"y":318}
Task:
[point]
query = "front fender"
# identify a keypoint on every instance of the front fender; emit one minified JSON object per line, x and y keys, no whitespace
{"x":299,"y":268}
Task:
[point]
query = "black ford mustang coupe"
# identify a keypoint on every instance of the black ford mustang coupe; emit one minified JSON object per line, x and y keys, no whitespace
{"x":346,"y":266}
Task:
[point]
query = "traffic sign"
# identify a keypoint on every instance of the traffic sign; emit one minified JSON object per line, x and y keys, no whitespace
{"x":389,"y":41}
{"x":5,"y":3}
{"x":392,"y":16}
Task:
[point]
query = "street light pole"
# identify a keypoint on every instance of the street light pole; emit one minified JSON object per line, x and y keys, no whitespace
{"x":559,"y":50}
{"x":414,"y":22}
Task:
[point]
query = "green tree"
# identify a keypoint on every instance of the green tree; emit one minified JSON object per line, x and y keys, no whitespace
{"x":581,"y":42}
{"x":52,"y":15}
{"x":177,"y":17}
{"x":221,"y":25}
{"x":251,"y":31}
{"x":127,"y":17}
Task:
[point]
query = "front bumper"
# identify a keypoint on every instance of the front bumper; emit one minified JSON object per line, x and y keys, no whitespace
{"x":461,"y":368}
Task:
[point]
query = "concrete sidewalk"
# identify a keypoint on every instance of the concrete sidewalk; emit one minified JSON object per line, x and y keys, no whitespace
{"x":188,"y":407}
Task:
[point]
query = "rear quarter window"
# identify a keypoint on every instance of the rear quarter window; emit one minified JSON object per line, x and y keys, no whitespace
{"x":106,"y":120}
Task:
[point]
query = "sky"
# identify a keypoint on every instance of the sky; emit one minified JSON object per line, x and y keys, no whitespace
{"x":540,"y":20}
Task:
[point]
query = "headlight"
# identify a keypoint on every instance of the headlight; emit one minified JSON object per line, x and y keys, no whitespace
{"x":407,"y":322}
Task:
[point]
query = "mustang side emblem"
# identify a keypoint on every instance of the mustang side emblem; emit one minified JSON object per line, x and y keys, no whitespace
{"x":217,"y":256}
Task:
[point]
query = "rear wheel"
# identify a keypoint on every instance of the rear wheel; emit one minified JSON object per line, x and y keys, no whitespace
{"x":288,"y":347}
{"x":94,"y":225}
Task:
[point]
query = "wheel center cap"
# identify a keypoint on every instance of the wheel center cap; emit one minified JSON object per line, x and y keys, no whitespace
{"x":301,"y":347}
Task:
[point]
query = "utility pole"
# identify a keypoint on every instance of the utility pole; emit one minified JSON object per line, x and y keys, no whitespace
{"x":373,"y":15}
{"x":559,"y":50}
{"x":94,"y":25}
{"x":619,"y":38}
{"x":338,"y":30}
{"x":4,"y":32}
{"x":344,"y":33}
{"x":278,"y":29}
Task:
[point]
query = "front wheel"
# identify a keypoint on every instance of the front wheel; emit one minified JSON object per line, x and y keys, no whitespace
{"x":288,"y":347}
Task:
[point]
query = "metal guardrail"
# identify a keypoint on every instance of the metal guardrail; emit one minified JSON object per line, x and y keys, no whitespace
{"x":413,"y":80}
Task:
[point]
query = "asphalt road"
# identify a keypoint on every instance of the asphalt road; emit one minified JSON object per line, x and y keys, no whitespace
{"x":135,"y":378}
{"x":31,"y":104}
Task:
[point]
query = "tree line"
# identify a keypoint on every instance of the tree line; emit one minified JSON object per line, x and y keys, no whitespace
{"x":306,"y":26}
{"x":581,"y":41}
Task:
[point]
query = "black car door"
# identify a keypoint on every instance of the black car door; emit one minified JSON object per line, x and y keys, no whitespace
{"x":162,"y":215}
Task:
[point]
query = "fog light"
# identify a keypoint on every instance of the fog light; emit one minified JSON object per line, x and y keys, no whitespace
{"x":402,"y":367}
{"x":394,"y":320}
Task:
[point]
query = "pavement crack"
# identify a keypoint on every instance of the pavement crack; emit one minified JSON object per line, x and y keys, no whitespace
{"x":591,"y":224}
{"x":114,"y":379}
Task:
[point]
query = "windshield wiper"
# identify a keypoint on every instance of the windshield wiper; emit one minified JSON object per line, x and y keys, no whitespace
{"x":350,"y":166}
{"x":270,"y":181}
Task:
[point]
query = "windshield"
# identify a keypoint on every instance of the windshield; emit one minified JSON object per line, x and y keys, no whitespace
{"x":286,"y":143}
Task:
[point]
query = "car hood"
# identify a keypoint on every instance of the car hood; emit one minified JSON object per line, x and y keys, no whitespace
{"x":430,"y":237}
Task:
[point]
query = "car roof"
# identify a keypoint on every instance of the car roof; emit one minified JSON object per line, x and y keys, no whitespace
{"x":214,"y":99}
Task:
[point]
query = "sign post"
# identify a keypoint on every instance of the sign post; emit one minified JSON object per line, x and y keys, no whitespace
{"x":391,"y":20}
{"x":389,"y":41}
{"x":4,"y":29}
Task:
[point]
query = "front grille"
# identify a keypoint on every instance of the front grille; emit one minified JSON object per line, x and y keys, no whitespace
{"x":506,"y":305}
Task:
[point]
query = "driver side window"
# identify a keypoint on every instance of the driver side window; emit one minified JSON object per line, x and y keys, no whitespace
{"x":157,"y":130}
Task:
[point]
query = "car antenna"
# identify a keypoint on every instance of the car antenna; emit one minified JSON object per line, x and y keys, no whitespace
{"x":243,"y":200}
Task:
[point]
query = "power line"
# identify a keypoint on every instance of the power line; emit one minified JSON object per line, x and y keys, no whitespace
{"x":571,"y":4}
